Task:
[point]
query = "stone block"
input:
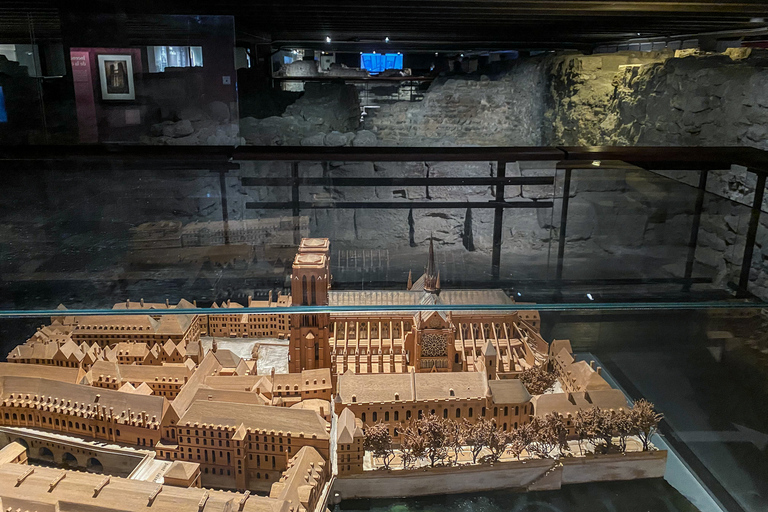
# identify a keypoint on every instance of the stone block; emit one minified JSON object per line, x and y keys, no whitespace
{"x":218,"y":111}
{"x":180,"y":129}
{"x":365,"y":138}
{"x":335,"y":139}
{"x":317,"y":139}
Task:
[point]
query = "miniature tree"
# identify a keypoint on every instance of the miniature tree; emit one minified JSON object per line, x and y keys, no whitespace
{"x":598,"y":427}
{"x":474,"y":436}
{"x":645,"y":421}
{"x":455,"y":433}
{"x":549,"y":434}
{"x":582,"y":425}
{"x":497,"y":440}
{"x":379,"y":441}
{"x":537,"y":379}
{"x":623,"y":427}
{"x":433,"y":429}
{"x":520,"y":439}
{"x":412,"y":445}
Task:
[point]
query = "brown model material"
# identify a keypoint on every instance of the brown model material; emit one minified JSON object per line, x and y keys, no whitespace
{"x":139,"y":395}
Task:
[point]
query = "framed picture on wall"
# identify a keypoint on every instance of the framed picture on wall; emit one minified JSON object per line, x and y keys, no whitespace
{"x":116,"y":74}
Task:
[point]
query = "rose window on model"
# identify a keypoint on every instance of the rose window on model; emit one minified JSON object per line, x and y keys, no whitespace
{"x":434,"y":345}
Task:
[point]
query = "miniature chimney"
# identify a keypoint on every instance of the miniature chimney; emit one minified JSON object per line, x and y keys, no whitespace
{"x":599,"y":370}
{"x":272,"y":373}
{"x":127,"y":303}
{"x":270,"y":295}
{"x":592,"y":364}
{"x":166,"y":302}
{"x":141,"y":301}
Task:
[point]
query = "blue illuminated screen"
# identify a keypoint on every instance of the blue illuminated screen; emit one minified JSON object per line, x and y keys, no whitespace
{"x":3,"y":112}
{"x":378,"y":62}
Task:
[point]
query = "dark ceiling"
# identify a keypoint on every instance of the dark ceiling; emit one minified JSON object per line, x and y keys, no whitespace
{"x":422,"y":24}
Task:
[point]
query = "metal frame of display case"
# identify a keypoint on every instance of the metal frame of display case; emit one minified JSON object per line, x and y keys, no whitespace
{"x":224,"y":158}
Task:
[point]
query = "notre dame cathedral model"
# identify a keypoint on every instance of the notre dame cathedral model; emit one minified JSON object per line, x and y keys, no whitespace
{"x":91,"y":392}
{"x":397,"y":341}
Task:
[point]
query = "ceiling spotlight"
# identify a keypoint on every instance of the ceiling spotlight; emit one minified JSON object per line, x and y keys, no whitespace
{"x":435,"y":54}
{"x":386,"y":39}
{"x":398,"y":53}
{"x":596,"y":163}
{"x":327,"y":39}
{"x":757,"y":20}
{"x":462,"y":54}
{"x":638,"y":33}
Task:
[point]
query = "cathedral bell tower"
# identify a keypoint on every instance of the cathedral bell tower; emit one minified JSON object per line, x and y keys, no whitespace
{"x":310,"y":281}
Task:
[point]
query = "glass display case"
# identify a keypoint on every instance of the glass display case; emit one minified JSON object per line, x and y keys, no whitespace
{"x":632,"y":268}
{"x":296,"y":269}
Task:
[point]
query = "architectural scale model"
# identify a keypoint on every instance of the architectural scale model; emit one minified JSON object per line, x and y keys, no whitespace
{"x":138,"y":400}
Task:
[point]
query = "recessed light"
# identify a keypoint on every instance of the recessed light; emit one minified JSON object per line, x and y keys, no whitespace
{"x":327,"y":39}
{"x":386,"y":39}
{"x":596,"y":163}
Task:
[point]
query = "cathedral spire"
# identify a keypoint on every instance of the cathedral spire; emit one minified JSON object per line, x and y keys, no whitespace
{"x":431,"y":275}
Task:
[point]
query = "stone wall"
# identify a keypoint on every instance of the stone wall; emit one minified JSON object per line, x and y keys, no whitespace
{"x":713,"y":100}
{"x":655,"y":99}
{"x":503,"y":109}
{"x":325,"y":115}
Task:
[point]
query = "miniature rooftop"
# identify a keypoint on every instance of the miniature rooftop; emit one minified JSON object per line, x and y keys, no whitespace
{"x":571,"y":403}
{"x":414,"y":297}
{"x":42,"y":371}
{"x":136,"y":372}
{"x":37,"y":390}
{"x":256,"y":417}
{"x":44,"y":489}
{"x":388,"y":387}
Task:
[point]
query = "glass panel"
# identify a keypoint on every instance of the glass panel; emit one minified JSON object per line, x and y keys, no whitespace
{"x":91,"y":78}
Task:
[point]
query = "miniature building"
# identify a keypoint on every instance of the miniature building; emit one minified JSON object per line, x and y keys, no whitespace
{"x":293,"y":388}
{"x":575,"y":375}
{"x":61,"y":352}
{"x":70,"y":375}
{"x":13,"y":453}
{"x":164,"y":380}
{"x":568,"y":404}
{"x":349,"y":443}
{"x":302,"y":481}
{"x":310,"y":282}
{"x":396,"y":398}
{"x":244,"y":446}
{"x":243,"y":325}
{"x":82,"y":411}
{"x":391,"y":342}
{"x":182,"y":474}
{"x":41,"y":488}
